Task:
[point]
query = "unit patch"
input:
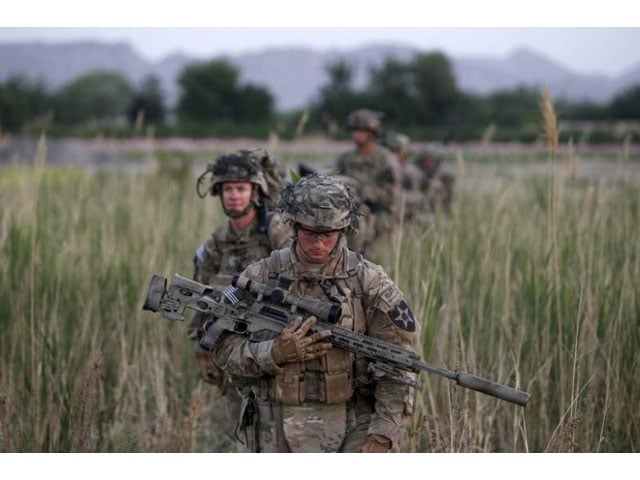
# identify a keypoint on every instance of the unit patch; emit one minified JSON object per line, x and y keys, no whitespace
{"x":401,"y":316}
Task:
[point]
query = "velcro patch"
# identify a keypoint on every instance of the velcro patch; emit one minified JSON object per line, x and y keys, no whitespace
{"x":401,"y":316}
{"x":390,"y":296}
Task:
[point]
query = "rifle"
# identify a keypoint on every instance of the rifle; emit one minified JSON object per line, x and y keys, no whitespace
{"x":260,"y":312}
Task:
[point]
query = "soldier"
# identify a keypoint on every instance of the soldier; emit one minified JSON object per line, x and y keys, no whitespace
{"x":413,"y":197}
{"x":364,"y":237}
{"x":251,"y":232}
{"x":437,"y":184}
{"x":308,"y":396}
{"x":375,"y":169}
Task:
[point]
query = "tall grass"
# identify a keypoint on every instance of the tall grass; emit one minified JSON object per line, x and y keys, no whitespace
{"x":84,"y":369}
{"x":550,"y":307}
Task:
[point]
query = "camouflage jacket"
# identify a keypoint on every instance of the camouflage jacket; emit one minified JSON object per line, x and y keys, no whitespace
{"x":229,"y":250}
{"x":378,"y":175}
{"x":372,"y":305}
{"x":413,"y":190}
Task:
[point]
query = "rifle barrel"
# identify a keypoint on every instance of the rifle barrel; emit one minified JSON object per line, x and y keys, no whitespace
{"x":480,"y":384}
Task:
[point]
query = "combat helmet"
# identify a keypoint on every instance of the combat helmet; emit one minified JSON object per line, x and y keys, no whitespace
{"x":320,"y":202}
{"x":239,"y":166}
{"x":429,"y":161}
{"x":396,"y":142}
{"x":365,"y":119}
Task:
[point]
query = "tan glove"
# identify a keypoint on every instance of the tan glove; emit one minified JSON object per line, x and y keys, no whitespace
{"x":209,"y":371}
{"x":376,"y":444}
{"x":294,"y":345}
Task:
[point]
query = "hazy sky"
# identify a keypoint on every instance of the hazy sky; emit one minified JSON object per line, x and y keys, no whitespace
{"x":591,"y":45}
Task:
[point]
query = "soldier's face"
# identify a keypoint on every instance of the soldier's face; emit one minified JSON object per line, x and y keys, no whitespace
{"x":314,"y":246}
{"x":361,"y":137}
{"x":236,"y":196}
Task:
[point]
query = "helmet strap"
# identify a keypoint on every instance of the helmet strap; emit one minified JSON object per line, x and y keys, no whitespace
{"x":256,"y":198}
{"x":237,"y":213}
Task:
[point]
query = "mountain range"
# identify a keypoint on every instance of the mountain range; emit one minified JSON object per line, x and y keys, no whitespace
{"x":295,"y":75}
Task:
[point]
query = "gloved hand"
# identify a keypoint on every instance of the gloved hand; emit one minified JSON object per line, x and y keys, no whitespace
{"x":294,"y":345}
{"x":376,"y":444}
{"x":209,"y":371}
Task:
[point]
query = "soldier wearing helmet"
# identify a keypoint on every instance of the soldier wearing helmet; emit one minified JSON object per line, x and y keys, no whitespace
{"x":251,"y":232}
{"x":437,"y":184}
{"x":413,"y":197}
{"x":309,"y":396}
{"x":375,"y":169}
{"x":399,"y":144}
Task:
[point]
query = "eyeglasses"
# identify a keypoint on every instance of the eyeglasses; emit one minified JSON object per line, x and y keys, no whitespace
{"x":313,"y":235}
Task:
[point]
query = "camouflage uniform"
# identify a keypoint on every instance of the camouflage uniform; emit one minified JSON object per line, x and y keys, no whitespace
{"x":437,"y":185}
{"x":330,"y":403}
{"x":412,"y":197}
{"x":377,"y":173}
{"x":366,"y":233}
{"x":364,"y":236}
{"x":228,"y":251}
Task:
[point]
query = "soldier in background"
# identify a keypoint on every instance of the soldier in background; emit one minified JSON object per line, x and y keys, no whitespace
{"x":251,"y":232}
{"x":413,"y":197}
{"x":306,"y":395}
{"x":366,"y":233}
{"x":438,"y":185}
{"x":377,"y":172}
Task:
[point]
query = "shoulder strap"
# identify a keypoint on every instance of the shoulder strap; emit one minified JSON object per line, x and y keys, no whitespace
{"x":264,"y":224}
{"x":279,"y":260}
{"x":264,"y":218}
{"x":219,"y":235}
{"x":353,"y":268}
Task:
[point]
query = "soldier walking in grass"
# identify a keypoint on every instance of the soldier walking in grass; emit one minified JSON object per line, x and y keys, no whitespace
{"x":251,"y":232}
{"x":307,"y":396}
{"x":438,"y":184}
{"x":376,"y":171}
{"x":413,"y":197}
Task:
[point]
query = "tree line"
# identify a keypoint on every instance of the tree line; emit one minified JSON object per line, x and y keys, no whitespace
{"x":418,"y":96}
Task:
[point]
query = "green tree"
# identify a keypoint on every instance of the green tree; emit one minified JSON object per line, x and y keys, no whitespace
{"x":435,"y":87}
{"x":420,"y":91}
{"x":515,"y":107}
{"x":626,"y":105}
{"x":253,"y":104}
{"x":96,"y":96}
{"x":210,"y":93}
{"x":148,"y":101}
{"x":392,"y":86}
{"x":340,"y":76}
{"x":22,"y":101}
{"x":337,"y":98}
{"x":474,"y":114}
{"x":585,"y":110}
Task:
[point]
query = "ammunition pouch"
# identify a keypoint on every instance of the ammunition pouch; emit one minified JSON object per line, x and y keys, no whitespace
{"x":289,"y":387}
{"x":331,"y":383}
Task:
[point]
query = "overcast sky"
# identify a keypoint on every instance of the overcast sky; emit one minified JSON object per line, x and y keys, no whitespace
{"x":592,"y":45}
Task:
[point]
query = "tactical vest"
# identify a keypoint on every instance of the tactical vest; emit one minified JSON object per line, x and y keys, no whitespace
{"x":330,"y":379}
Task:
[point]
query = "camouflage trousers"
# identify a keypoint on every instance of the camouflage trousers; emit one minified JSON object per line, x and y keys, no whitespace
{"x":309,"y":428}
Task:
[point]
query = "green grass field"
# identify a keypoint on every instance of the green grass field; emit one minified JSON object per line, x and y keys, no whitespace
{"x":532,"y":282}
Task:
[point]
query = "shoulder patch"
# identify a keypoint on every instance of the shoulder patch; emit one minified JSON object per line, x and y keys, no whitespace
{"x":402,"y":317}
